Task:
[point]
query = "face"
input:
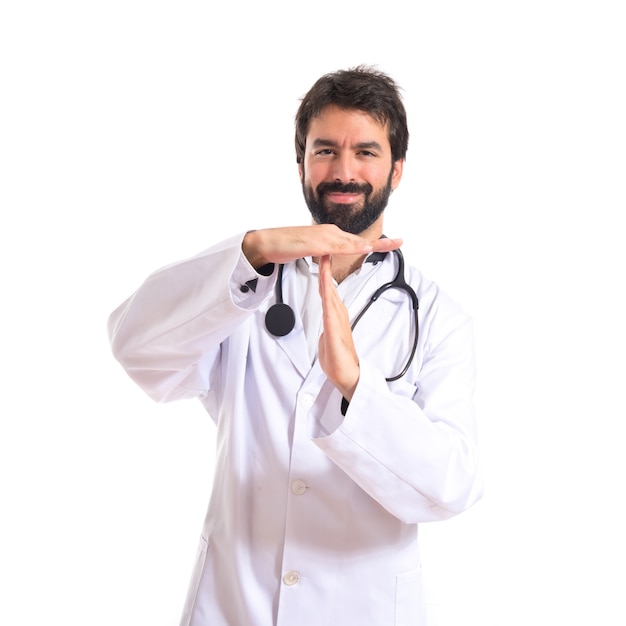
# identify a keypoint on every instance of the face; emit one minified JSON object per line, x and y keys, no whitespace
{"x":347,"y":172}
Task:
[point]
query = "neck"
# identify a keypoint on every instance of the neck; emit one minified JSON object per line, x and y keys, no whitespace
{"x":342,"y":266}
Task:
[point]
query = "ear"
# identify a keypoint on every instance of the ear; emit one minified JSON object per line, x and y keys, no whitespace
{"x":300,"y":172}
{"x":396,"y":174}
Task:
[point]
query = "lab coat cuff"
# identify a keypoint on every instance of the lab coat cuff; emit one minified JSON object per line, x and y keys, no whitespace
{"x":249,"y":287}
{"x":336,"y":411}
{"x":371,"y":379}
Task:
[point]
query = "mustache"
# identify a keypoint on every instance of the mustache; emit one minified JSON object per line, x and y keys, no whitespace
{"x":364,"y":188}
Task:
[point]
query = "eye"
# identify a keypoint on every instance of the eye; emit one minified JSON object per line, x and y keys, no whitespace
{"x":324,"y":152}
{"x":367,"y":153}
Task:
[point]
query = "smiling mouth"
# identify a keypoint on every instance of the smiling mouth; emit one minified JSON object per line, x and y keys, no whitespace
{"x":337,"y":197}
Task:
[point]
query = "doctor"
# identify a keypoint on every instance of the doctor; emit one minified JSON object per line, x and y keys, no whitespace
{"x":327,"y":461}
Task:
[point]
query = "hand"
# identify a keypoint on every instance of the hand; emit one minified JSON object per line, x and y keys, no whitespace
{"x":281,"y":245}
{"x":336,"y":350}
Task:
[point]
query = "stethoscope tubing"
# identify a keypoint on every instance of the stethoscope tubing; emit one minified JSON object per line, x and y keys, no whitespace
{"x":280,"y":317}
{"x":399,"y":282}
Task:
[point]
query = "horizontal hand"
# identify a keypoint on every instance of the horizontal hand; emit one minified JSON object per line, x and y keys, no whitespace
{"x":281,"y":245}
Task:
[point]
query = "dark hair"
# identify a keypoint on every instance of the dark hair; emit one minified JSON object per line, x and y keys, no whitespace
{"x":363,"y":88}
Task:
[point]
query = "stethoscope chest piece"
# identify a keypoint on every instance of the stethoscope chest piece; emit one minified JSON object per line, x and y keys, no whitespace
{"x":280,"y":319}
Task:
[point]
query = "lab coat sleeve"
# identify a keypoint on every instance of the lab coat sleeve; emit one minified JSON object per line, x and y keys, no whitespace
{"x":411,"y":448}
{"x":167,"y":334}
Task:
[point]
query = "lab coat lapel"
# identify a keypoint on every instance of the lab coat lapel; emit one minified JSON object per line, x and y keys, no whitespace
{"x":295,"y":347}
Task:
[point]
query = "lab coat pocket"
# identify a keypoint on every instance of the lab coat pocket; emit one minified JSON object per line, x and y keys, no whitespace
{"x":410,"y":602}
{"x":194,"y":584}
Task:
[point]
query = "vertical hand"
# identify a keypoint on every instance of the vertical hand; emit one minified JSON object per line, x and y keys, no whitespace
{"x":336,"y":350}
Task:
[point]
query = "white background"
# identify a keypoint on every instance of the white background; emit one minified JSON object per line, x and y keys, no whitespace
{"x":136,"y":133}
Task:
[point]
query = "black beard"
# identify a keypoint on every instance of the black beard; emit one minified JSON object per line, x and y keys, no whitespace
{"x":346,"y":216}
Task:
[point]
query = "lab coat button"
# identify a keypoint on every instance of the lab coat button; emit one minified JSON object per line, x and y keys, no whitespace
{"x":298,"y":487}
{"x":306,"y":400}
{"x":291,"y":578}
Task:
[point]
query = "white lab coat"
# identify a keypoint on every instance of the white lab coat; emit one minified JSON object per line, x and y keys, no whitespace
{"x":313,"y":514}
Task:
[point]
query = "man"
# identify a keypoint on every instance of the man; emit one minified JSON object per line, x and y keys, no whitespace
{"x":333,"y":442}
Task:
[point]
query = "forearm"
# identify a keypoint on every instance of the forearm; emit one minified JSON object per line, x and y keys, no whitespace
{"x":411,"y":447}
{"x":179,"y":314}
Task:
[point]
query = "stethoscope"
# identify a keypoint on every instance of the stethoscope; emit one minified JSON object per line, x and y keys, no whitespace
{"x":280,"y":317}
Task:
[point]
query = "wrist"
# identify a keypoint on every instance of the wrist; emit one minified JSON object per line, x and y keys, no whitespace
{"x":250,"y":249}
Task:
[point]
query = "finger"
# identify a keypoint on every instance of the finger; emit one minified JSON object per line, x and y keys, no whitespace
{"x":385,"y":244}
{"x":325,"y":276}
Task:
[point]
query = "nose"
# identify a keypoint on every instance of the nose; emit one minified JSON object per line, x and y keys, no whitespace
{"x":343,"y":168}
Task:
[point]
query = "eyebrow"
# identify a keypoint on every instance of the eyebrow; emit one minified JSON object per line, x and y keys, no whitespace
{"x":363,"y":145}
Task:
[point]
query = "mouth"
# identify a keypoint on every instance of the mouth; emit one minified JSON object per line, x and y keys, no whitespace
{"x":337,"y":197}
